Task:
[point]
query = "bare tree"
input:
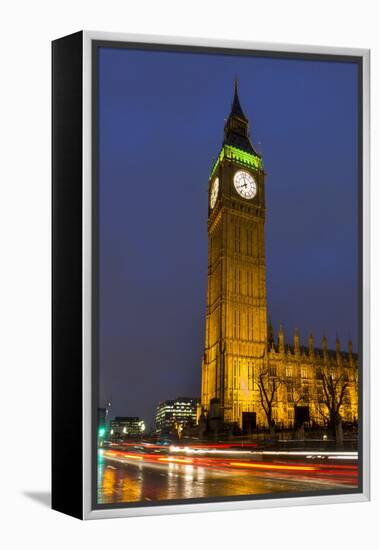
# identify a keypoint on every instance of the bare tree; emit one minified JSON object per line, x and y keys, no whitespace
{"x":334,"y":394}
{"x":268,"y":384}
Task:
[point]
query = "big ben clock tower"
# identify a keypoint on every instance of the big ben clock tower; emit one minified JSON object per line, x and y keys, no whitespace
{"x":236,"y":325}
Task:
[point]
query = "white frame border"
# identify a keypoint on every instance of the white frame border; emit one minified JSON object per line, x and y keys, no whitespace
{"x":88,"y":512}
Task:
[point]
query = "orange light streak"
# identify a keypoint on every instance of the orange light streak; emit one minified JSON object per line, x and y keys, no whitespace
{"x":272,"y":466}
{"x":171,"y":459}
{"x":123,"y":455}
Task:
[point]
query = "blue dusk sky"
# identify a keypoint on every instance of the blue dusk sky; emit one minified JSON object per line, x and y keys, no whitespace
{"x":161,"y":118}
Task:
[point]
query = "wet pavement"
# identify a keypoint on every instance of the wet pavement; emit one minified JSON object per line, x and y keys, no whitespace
{"x":129,"y":480}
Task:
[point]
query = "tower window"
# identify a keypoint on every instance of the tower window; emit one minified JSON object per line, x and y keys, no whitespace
{"x":249,"y":283}
{"x":237,"y":238}
{"x":290,"y":394}
{"x":289,"y":372}
{"x":272,"y":371}
{"x":236,"y":323}
{"x":250,"y":325}
{"x":237,"y":280}
{"x":249,"y":242}
{"x":235,"y":374}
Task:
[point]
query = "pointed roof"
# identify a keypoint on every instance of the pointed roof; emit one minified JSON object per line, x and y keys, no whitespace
{"x":236,"y":131}
{"x":236,"y":105}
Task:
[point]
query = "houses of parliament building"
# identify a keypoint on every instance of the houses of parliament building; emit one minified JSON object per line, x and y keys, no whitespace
{"x":251,"y":376}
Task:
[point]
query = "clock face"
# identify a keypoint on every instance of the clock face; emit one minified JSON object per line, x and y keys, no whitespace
{"x":214,"y":192}
{"x":245,"y":184}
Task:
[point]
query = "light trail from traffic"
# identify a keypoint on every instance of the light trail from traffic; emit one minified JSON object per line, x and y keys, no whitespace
{"x":214,"y":458}
{"x":140,"y":471}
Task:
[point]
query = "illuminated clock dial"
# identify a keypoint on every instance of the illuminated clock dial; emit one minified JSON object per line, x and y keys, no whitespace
{"x":245,"y":184}
{"x":214,"y":192}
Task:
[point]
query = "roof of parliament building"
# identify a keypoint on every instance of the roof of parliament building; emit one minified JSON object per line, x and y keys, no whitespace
{"x":304,"y":350}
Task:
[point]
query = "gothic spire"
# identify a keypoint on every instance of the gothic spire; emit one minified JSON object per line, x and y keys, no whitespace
{"x":338,"y":344}
{"x":350,"y":346}
{"x":296,"y":341}
{"x":310,"y":344}
{"x":236,"y":130}
{"x":236,"y":105}
{"x":270,"y":335}
{"x":324,"y":347}
{"x":281,"y":343}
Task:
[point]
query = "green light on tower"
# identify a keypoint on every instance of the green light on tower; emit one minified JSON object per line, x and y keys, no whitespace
{"x":240,"y":156}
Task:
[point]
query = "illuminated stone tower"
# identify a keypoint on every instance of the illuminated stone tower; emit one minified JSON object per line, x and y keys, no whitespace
{"x":236,"y":325}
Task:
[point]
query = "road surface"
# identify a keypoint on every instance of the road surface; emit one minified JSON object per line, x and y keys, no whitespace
{"x":150,"y":473}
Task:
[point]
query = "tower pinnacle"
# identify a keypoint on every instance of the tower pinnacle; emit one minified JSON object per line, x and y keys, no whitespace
{"x":281,"y":344}
{"x":236,"y":105}
{"x":236,"y":128}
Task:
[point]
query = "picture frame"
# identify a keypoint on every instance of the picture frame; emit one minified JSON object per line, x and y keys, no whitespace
{"x":76,"y":299}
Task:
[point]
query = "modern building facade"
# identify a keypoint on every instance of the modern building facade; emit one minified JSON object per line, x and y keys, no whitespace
{"x":123,"y":427}
{"x":249,"y":377}
{"x":175,"y":414}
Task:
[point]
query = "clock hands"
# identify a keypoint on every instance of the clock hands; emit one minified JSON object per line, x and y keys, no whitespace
{"x":244,"y":184}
